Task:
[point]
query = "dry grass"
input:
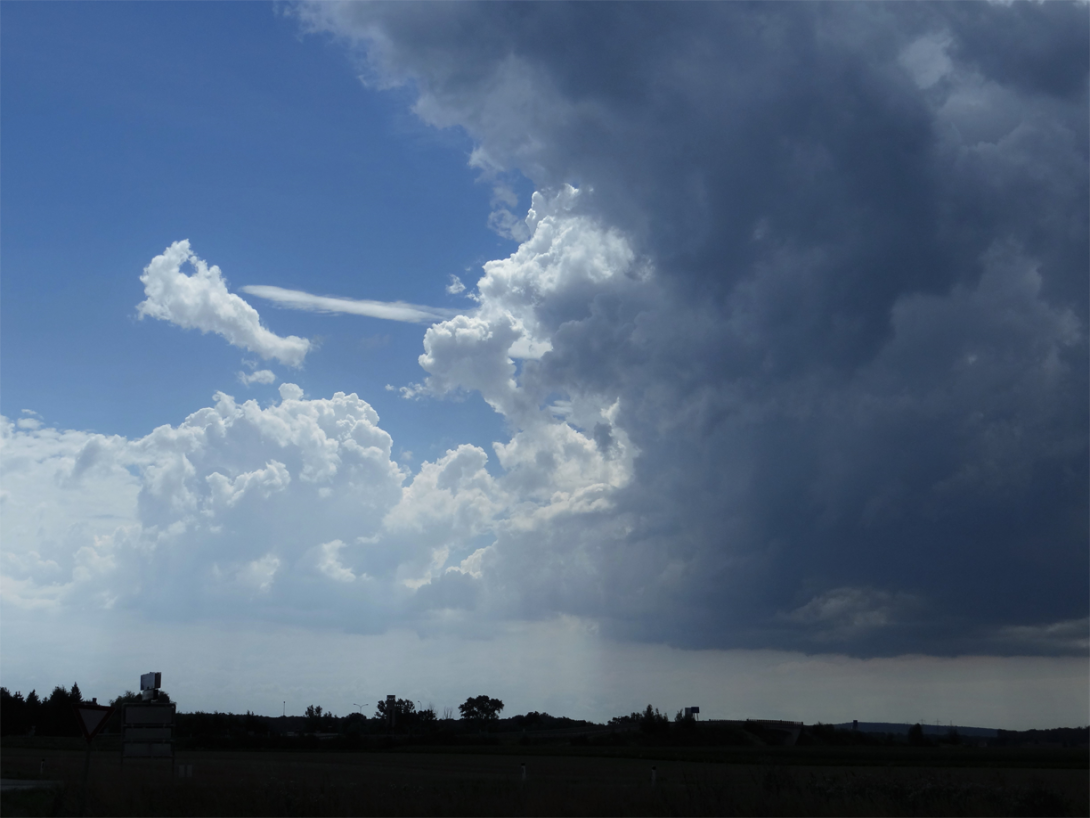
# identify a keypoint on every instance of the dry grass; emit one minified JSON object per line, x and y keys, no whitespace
{"x":319,"y":784}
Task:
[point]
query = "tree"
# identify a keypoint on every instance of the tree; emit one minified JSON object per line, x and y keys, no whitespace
{"x":916,"y":737}
{"x":481,"y":710}
{"x":319,"y":721}
{"x":33,"y":711}
{"x":652,"y":721}
{"x":425,"y":718}
{"x":686,"y":720}
{"x":353,"y":724}
{"x":13,"y":713}
{"x":406,"y":716}
{"x":58,"y":717}
{"x":403,"y":708}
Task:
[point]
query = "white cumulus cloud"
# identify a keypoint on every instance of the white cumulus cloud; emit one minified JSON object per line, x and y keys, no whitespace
{"x":202,"y":301}
{"x":265,"y":376}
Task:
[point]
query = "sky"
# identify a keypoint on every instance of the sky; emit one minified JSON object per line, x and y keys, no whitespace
{"x":580,"y":355}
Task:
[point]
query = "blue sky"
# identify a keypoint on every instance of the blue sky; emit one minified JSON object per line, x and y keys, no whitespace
{"x":726,"y":341}
{"x":130,"y":128}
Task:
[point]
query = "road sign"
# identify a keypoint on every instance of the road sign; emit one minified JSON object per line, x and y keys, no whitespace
{"x":147,"y":731}
{"x":92,"y":717}
{"x":151,"y":681}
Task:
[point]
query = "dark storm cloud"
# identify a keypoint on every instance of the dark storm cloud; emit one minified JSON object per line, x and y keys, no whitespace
{"x":1038,"y":48}
{"x":858,"y":381}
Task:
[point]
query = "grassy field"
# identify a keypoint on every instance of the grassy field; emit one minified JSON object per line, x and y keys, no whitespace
{"x":559,"y":781}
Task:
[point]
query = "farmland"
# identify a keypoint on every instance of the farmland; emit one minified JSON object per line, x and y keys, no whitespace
{"x":560,"y":780}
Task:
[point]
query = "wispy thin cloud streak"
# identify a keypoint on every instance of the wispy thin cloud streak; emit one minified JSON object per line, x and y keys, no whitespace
{"x":388,"y":310}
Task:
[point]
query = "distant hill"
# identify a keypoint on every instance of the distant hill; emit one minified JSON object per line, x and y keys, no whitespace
{"x":1056,"y":737}
{"x":897,"y":729}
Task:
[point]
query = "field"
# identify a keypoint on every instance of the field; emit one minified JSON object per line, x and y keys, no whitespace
{"x":559,"y":781}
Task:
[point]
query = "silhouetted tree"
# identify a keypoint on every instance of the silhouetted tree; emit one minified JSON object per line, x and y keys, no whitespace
{"x":406,"y":716}
{"x":631,"y":720}
{"x":353,"y":724}
{"x":128,"y":697}
{"x":425,"y":719}
{"x":916,"y":737}
{"x":13,"y":713}
{"x":530,"y":721}
{"x":481,"y":710}
{"x":57,"y":716}
{"x":33,"y":711}
{"x":319,"y":722}
{"x":686,"y":720}
{"x":652,"y":721}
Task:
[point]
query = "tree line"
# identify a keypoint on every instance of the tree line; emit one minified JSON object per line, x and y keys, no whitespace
{"x":54,"y":716}
{"x":34,"y":715}
{"x":402,"y":715}
{"x":479,"y":715}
